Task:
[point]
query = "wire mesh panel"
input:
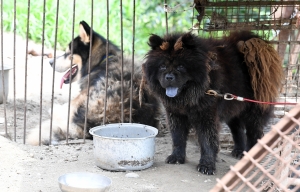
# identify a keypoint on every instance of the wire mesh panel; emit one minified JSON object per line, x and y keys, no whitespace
{"x":273,"y":164}
{"x":274,"y":20}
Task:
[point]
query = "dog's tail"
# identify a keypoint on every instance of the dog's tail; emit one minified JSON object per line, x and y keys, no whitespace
{"x":265,"y":68}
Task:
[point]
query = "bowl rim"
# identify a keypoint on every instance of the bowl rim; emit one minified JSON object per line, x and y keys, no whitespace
{"x":87,"y":173}
{"x":92,"y":130}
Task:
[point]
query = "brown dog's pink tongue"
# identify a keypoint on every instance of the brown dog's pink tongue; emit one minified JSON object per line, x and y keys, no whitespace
{"x":66,"y":76}
{"x":61,"y":82}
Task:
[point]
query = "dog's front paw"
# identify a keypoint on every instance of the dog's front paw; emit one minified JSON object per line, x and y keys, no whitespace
{"x":237,"y":153}
{"x":207,"y":166}
{"x":206,"y":169}
{"x":172,"y":159}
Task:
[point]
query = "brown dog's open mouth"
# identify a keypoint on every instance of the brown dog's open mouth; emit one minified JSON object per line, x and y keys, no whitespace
{"x":66,"y":77}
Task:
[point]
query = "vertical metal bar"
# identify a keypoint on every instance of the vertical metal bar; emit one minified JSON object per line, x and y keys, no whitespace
{"x":89,"y":72}
{"x":259,"y":17}
{"x":289,"y":64}
{"x":122,"y":64}
{"x":3,"y":84}
{"x":193,"y":16}
{"x":53,"y":72}
{"x":132,"y":65}
{"x":26,"y":62}
{"x":297,"y":36}
{"x":42,"y":72}
{"x":238,"y":16}
{"x":14,"y":72}
{"x":107,"y":49}
{"x":281,"y":44}
{"x":166,"y":17}
{"x":70,"y":87}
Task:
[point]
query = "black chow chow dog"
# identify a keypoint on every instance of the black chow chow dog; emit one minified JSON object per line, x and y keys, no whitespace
{"x":190,"y":75}
{"x":147,"y":113}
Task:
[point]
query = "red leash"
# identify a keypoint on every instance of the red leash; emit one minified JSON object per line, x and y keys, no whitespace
{"x":229,"y":96}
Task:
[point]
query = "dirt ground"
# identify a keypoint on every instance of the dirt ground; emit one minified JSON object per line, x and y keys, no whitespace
{"x":26,"y":168}
{"x":32,"y":168}
{"x":37,"y":168}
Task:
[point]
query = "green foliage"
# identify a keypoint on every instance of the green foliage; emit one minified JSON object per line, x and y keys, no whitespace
{"x":150,"y":18}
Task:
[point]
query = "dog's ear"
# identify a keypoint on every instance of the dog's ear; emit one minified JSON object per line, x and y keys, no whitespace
{"x":184,"y":41}
{"x":156,"y":41}
{"x":84,"y":32}
{"x":188,"y":40}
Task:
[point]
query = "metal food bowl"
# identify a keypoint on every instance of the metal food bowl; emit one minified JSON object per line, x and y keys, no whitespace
{"x":124,"y":146}
{"x":84,"y":182}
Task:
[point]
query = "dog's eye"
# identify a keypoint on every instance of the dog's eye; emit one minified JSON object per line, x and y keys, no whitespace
{"x":180,"y":68}
{"x":162,"y":67}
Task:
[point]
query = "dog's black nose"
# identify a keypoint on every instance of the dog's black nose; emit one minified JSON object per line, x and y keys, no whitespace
{"x":169,"y":77}
{"x":51,"y":61}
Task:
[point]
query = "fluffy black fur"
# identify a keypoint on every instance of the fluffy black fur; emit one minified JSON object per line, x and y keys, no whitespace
{"x":180,"y":68}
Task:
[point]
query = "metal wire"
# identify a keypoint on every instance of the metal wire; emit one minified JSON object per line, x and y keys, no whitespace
{"x":14,"y":72}
{"x":2,"y":63}
{"x":53,"y":72}
{"x":107,"y":49}
{"x":132,"y":64}
{"x":26,"y":64}
{"x":166,"y":17}
{"x":89,"y":71}
{"x":70,"y":87}
{"x":42,"y":72}
{"x":122,"y":63}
